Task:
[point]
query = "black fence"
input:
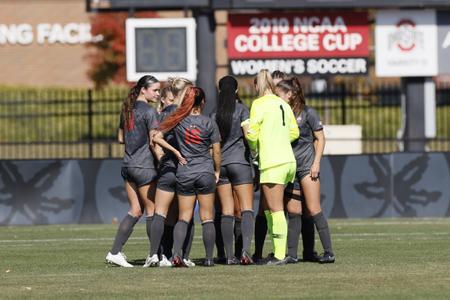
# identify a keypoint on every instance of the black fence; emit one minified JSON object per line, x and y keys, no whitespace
{"x":61,"y":123}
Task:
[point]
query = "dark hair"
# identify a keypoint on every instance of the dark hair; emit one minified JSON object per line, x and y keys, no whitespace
{"x":278,"y":74}
{"x":297,"y":100}
{"x":226,"y":105}
{"x":128,"y":104}
{"x":194,"y":97}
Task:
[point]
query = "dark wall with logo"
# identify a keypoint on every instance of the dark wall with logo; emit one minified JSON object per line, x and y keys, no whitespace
{"x":360,"y":186}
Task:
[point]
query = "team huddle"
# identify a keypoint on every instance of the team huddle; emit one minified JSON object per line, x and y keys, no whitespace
{"x":176,"y":156}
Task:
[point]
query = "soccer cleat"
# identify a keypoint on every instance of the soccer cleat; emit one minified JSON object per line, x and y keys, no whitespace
{"x":291,"y":260}
{"x":177,"y":262}
{"x":151,"y":261}
{"x":257,"y":259}
{"x":221,"y":260}
{"x":208,"y":262}
{"x":311,"y":257}
{"x":275,"y":262}
{"x":189,"y":263}
{"x":124,"y":256}
{"x":233,"y":261}
{"x":118,"y":259}
{"x":246,"y":259}
{"x":164,"y":262}
{"x":327,"y":258}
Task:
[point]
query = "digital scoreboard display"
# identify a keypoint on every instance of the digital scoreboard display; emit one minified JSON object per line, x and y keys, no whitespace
{"x":161,"y":47}
{"x":161,"y":50}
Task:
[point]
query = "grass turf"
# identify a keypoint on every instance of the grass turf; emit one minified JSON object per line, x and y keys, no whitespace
{"x":376,"y":258}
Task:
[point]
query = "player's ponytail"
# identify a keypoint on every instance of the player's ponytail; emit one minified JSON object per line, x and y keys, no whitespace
{"x":264,"y":83}
{"x":297,"y":100}
{"x":226,"y":105}
{"x":128,"y":104}
{"x":194,"y":97}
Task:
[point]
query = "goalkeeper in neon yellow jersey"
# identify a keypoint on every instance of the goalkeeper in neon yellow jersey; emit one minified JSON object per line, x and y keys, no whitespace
{"x":271,"y":129}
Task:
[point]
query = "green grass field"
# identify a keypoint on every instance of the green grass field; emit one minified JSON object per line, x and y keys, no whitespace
{"x":377,"y":258}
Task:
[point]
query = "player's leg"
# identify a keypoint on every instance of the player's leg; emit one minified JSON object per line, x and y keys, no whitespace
{"x":311,"y":190}
{"x":242,"y":180}
{"x":163,"y":200}
{"x":276,"y":218}
{"x":260,"y":229}
{"x":205,"y":188}
{"x":273,"y":181}
{"x":186,"y":205}
{"x":125,"y":227}
{"x":237,"y":226}
{"x":294,"y":211}
{"x":225,"y":194}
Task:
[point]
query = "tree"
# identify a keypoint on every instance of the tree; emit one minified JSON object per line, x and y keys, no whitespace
{"x":107,"y":55}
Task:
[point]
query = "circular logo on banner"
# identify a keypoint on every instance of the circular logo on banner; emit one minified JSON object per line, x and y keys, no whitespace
{"x":407,"y":37}
{"x":40,"y":192}
{"x":110,"y":192}
{"x":407,"y":186}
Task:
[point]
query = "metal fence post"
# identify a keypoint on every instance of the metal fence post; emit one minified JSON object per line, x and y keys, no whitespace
{"x":90,"y":116}
{"x":343,"y":95}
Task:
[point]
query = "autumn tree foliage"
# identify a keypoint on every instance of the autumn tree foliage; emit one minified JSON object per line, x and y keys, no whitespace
{"x":107,"y":50}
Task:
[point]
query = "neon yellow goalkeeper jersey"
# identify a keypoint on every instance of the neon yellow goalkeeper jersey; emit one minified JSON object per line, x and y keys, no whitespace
{"x":271,"y":130}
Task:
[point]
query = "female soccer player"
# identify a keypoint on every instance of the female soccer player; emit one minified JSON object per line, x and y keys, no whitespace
{"x":137,"y":122}
{"x":308,"y":151}
{"x":162,"y":227}
{"x":235,"y":172}
{"x":272,"y":128}
{"x":195,"y":134}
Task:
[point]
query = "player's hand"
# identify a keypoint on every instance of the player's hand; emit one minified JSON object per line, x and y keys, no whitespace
{"x":315,"y":171}
{"x":181,"y":159}
{"x":217,"y":174}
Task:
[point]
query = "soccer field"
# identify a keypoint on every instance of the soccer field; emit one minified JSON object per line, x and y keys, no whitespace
{"x":376,"y":258}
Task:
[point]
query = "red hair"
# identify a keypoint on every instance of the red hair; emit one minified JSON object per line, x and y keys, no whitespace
{"x":193,"y":97}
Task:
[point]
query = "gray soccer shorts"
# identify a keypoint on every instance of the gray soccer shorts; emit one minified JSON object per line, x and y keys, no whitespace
{"x":235,"y":174}
{"x":196,"y":184}
{"x":139,"y":176}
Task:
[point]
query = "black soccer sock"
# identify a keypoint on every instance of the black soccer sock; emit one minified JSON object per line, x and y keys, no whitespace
{"x":237,"y":237}
{"x":324,"y":233}
{"x":167,"y":241}
{"x":123,"y":233}
{"x":227,"y":234}
{"x":308,"y":238}
{"x":294,"y":228}
{"x":189,"y":239}
{"x":260,"y":234}
{"x":219,"y":239}
{"x":179,"y":235}
{"x":209,"y":236}
{"x":247,"y":225}
{"x":149,"y":221}
{"x":156,"y":233}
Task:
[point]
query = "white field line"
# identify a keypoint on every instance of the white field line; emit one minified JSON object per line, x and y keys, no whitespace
{"x":351,"y":235}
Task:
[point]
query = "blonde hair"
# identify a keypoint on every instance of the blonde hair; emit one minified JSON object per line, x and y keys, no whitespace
{"x":178,"y":86}
{"x":264,"y":83}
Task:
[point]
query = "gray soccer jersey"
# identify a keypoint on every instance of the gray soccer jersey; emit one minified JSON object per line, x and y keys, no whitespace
{"x":195,"y":134}
{"x":137,"y":148}
{"x":308,"y":121}
{"x":233,"y":150}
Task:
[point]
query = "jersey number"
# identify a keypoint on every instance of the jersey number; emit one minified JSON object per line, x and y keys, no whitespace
{"x":192,"y":136}
{"x":282,"y":115}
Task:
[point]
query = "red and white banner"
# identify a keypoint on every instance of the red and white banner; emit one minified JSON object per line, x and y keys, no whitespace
{"x":298,"y":35}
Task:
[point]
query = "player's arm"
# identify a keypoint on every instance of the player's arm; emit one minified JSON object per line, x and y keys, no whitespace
{"x":120,"y":138}
{"x":319,"y":146}
{"x":254,"y":126}
{"x":158,"y":138}
{"x":216,"y":154}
